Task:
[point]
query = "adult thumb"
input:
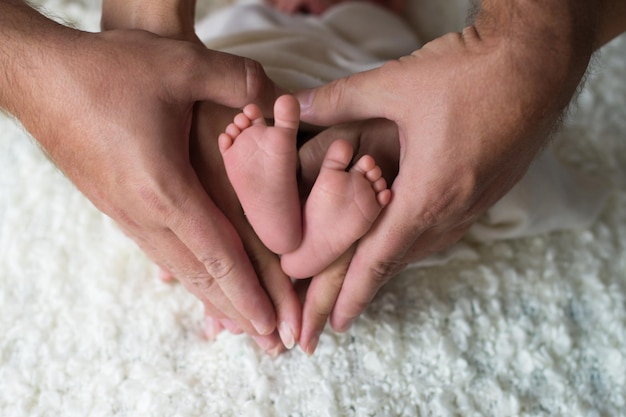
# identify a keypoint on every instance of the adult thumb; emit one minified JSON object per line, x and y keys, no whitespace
{"x":231,"y":81}
{"x":355,"y":97}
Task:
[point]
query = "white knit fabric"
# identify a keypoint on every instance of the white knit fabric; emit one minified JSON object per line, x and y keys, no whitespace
{"x":526,"y":326}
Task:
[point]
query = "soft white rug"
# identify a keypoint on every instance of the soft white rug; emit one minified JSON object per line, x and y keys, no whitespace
{"x":533,"y":326}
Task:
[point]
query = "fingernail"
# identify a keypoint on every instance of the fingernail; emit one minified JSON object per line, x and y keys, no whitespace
{"x":231,"y":326}
{"x":342,"y":324}
{"x":265,"y":343}
{"x":211,"y":328}
{"x":305,"y":97}
{"x":286,"y":335}
{"x":310,"y":348}
{"x":277,"y":350}
{"x":262,"y":328}
{"x":165,"y":276}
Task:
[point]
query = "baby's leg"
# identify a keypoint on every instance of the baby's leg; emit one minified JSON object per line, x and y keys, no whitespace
{"x":339,"y":210}
{"x":261,"y":163}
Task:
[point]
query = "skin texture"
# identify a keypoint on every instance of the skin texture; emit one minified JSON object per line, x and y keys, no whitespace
{"x":175,"y":19}
{"x":209,"y":121}
{"x":341,"y":207}
{"x":536,"y":52}
{"x":472,"y":110}
{"x":261,"y":163}
{"x":376,"y":137}
{"x":129,"y":151}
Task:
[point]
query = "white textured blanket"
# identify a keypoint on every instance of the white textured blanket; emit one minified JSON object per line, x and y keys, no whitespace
{"x":526,"y":326}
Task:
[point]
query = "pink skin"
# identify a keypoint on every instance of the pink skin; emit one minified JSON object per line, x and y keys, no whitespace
{"x":261,"y":163}
{"x":339,"y":210}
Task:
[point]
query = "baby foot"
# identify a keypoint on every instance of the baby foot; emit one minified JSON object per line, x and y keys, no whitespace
{"x":339,"y":210}
{"x":261,"y":163}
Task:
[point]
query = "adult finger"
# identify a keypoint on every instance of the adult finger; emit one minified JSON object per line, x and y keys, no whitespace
{"x":212,"y":326}
{"x":174,"y":257}
{"x":213,"y":316}
{"x":220,"y":311}
{"x":379,"y":255}
{"x":319,"y":300}
{"x":412,"y":228}
{"x":209,"y":120}
{"x":277,"y":285}
{"x":229,"y":80}
{"x":200,"y":226}
{"x":349,"y":99}
{"x":376,"y":137}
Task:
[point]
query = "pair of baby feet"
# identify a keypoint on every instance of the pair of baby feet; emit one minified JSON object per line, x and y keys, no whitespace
{"x":261,"y":162}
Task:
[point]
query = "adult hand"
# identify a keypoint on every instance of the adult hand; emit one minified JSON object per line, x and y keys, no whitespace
{"x":209,"y":121}
{"x":472,"y":110}
{"x":175,"y":19}
{"x":113,"y":111}
{"x":377,"y":138}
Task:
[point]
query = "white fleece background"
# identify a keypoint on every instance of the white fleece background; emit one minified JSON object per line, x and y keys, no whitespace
{"x":534,"y":327}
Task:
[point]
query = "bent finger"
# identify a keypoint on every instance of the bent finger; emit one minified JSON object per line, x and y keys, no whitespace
{"x":215,"y":244}
{"x":214,"y":316}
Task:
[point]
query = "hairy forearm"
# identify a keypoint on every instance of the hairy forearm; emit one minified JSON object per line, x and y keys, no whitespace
{"x":28,"y":43}
{"x":169,"y":18}
{"x":14,"y":50}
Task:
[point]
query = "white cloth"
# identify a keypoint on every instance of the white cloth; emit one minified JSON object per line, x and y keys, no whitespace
{"x":299,"y":51}
{"x":530,"y":327}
